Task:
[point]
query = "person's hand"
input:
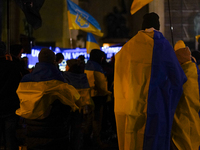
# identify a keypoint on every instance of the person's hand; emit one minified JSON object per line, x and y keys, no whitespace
{"x":183,"y":55}
{"x":8,"y":57}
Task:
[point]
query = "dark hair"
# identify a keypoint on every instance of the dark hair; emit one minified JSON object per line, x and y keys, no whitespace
{"x":81,"y":57}
{"x":97,"y":55}
{"x":47,"y":55}
{"x":151,"y":20}
{"x":59,"y":56}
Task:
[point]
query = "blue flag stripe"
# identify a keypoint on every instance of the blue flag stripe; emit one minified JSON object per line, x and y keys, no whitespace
{"x":162,"y":104}
{"x":75,"y":9}
{"x":90,"y":38}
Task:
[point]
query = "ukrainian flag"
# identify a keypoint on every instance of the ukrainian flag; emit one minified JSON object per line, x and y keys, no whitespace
{"x":80,"y":19}
{"x":148,"y":82}
{"x":138,"y":4}
{"x":91,"y":43}
{"x":39,"y":89}
{"x":80,"y":82}
{"x":97,"y":79}
{"x":186,"y":124}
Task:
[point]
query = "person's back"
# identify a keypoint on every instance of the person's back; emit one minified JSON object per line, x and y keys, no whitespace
{"x":9,"y":80}
{"x":147,"y":86}
{"x":81,"y":121}
{"x":45,"y":102}
{"x":186,"y":125}
{"x":99,"y":91}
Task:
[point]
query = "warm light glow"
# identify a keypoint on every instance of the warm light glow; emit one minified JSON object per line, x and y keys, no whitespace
{"x":106,"y":44}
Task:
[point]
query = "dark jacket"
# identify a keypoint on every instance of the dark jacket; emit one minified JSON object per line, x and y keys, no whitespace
{"x":9,"y":80}
{"x":20,"y":66}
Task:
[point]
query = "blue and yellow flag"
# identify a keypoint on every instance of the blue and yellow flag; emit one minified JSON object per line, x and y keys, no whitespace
{"x":138,"y":4}
{"x":148,"y":82}
{"x":96,"y":78}
{"x":39,"y":89}
{"x":80,"y":82}
{"x":186,"y":125}
{"x":80,"y":19}
{"x":91,"y":43}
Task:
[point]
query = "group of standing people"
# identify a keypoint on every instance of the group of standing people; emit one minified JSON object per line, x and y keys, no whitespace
{"x":155,"y":87}
{"x":60,"y":110}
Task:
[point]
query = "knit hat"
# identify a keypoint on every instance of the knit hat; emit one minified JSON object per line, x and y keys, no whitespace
{"x":151,"y":20}
{"x":182,"y":52}
{"x":2,"y":49}
{"x":46,"y":55}
{"x":179,"y":44}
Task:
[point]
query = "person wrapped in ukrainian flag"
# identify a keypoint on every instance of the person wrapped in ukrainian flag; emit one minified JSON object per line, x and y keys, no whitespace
{"x":186,"y":125}
{"x":81,"y":120}
{"x":99,"y":92}
{"x":148,"y":82}
{"x":45,"y":103}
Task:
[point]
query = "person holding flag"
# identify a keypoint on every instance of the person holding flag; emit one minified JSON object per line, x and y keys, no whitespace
{"x":148,"y":82}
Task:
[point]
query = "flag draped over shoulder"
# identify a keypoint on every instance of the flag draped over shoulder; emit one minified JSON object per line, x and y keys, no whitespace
{"x":152,"y":79}
{"x":39,"y":89}
{"x":186,"y":125}
{"x":91,"y":43}
{"x":80,"y":19}
{"x":138,"y":4}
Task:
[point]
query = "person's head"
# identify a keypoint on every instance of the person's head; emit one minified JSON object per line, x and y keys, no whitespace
{"x":2,"y":49}
{"x":81,"y":57}
{"x":179,"y":44}
{"x":75,"y":66}
{"x":182,"y":52}
{"x":47,"y":55}
{"x":16,"y":50}
{"x":151,"y":20}
{"x":59,"y":58}
{"x":97,"y":55}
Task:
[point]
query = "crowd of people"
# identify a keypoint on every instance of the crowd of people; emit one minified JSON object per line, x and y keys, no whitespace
{"x":146,"y":97}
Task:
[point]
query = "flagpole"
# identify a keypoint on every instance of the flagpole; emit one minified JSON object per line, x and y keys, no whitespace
{"x":8,"y":26}
{"x":171,"y":28}
{"x":70,"y":38}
